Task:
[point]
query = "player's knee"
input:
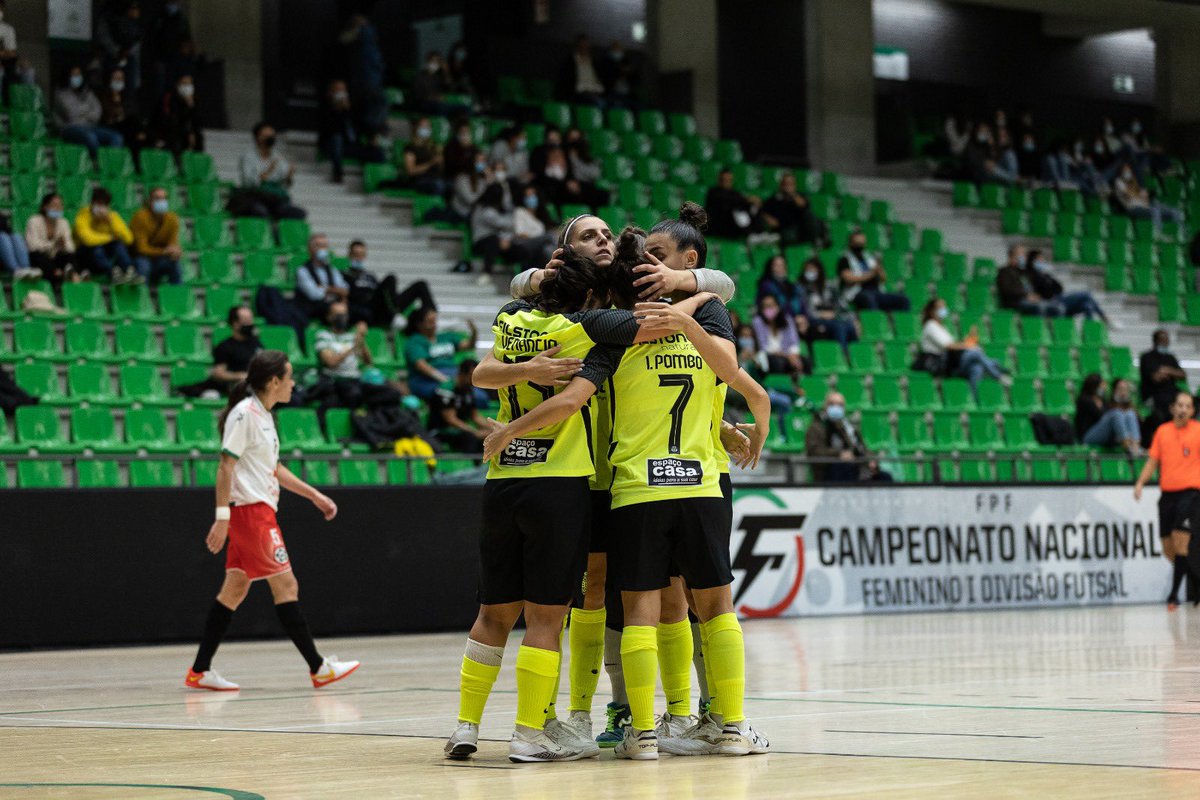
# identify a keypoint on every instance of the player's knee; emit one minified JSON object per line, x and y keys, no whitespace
{"x":541,"y":617}
{"x":285,"y":588}
{"x":499,"y":617}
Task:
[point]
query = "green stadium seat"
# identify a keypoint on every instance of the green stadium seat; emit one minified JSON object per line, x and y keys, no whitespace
{"x":88,"y":340}
{"x":340,"y":430}
{"x":922,"y":394}
{"x":965,"y":195}
{"x":25,"y":97}
{"x":91,"y":382}
{"x":621,"y":120}
{"x":76,"y":190}
{"x":197,"y":430}
{"x":912,"y":432}
{"x":97,"y":474}
{"x":204,"y":199}
{"x":1045,"y":470}
{"x":1018,"y":432}
{"x":854,"y":389}
{"x":300,"y":432}
{"x":254,"y":233}
{"x":152,"y":474}
{"x":1063,"y":331}
{"x":956,"y":395}
{"x":185,"y":344}
{"x":93,"y":428}
{"x":1120,"y":360}
{"x":864,"y":357}
{"x":293,"y":234}
{"x":114,"y":162}
{"x":828,"y":357}
{"x":217,"y":268}
{"x":408,"y":472}
{"x":984,"y":433}
{"x":217,"y":302}
{"x":177,"y":303}
{"x":1025,"y":396}
{"x":204,"y":472}
{"x":28,"y":158}
{"x":38,"y":427}
{"x":976,"y":470}
{"x":888,"y":394}
{"x":41,"y":474}
{"x":359,"y":473}
{"x":558,"y":114}
{"x":146,"y":429}
{"x":1116,"y":470}
{"x":992,"y":197}
{"x":141,"y":383}
{"x":1060,"y":362}
{"x":84,"y":300}
{"x":34,"y":338}
{"x":948,"y":433}
{"x":1057,"y":398}
{"x":40,"y":380}
{"x":136,"y":342}
{"x":131,"y":303}
{"x":1033,"y":330}
{"x":26,"y":126}
{"x":876,"y":430}
{"x":320,"y":473}
{"x":198,"y":167}
{"x":212,"y":233}
{"x":157,"y":166}
{"x":652,"y":123}
{"x":876,"y":327}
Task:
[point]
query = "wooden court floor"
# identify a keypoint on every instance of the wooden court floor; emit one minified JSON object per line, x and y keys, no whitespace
{"x":1092,"y":703}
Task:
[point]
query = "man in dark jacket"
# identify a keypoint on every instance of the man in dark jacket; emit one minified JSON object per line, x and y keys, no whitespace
{"x":1160,"y":376}
{"x":831,"y":435}
{"x":1016,"y":291}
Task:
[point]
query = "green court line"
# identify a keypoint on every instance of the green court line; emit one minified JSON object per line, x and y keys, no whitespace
{"x":232,"y":794}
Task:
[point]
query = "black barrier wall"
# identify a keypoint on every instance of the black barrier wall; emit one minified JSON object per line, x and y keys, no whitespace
{"x":101,"y":567}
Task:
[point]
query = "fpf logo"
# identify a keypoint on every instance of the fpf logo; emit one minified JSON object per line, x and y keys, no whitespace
{"x":763,"y":570}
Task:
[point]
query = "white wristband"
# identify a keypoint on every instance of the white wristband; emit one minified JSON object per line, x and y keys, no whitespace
{"x":223,"y":514}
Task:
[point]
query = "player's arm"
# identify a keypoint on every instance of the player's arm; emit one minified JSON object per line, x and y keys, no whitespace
{"x":548,"y":412}
{"x":621,"y":328}
{"x":718,"y":351}
{"x":760,"y":406}
{"x":220,"y":527}
{"x":1147,"y":474}
{"x":543,"y":369}
{"x":288,"y":480}
{"x":736,"y":444}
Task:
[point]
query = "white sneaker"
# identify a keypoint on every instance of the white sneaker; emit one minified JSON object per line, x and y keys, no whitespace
{"x":739,"y":739}
{"x":118,"y":277}
{"x":209,"y":680}
{"x":565,"y":734}
{"x":463,"y":742}
{"x":27,"y":274}
{"x":671,"y":727}
{"x":702,"y":739}
{"x":528,"y":746}
{"x":332,"y":670}
{"x":133,"y":277}
{"x":638,"y":745}
{"x":580,"y":724}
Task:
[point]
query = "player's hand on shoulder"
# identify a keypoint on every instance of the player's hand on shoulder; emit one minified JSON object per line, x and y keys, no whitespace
{"x":546,"y":370}
{"x":660,"y":316}
{"x":657,"y":279}
{"x":496,"y":440}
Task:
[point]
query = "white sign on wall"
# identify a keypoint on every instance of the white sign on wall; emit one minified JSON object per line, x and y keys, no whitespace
{"x":807,"y":552}
{"x":69,"y":19}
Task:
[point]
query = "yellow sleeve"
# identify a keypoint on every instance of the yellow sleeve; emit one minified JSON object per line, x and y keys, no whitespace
{"x":86,"y":233}
{"x":141,"y":226}
{"x":120,"y":229}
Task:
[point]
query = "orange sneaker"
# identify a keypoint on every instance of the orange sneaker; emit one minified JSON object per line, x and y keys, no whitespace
{"x":209,"y":680}
{"x":332,"y":671}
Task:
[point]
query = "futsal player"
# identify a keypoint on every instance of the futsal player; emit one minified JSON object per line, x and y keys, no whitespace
{"x":248,"y":481}
{"x":1175,"y":453}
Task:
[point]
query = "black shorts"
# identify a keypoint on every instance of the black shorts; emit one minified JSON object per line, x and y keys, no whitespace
{"x":649,"y":539}
{"x":534,"y":541}
{"x":727,"y":489}
{"x":1177,"y":511}
{"x":601,"y":509}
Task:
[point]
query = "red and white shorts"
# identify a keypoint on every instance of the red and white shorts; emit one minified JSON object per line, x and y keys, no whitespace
{"x":255,"y":542}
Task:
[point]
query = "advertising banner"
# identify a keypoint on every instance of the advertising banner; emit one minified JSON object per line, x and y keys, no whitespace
{"x":805,"y":552}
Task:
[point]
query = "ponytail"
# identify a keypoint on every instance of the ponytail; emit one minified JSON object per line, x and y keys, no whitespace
{"x":687,"y":231}
{"x":265,"y":365}
{"x":239,"y":393}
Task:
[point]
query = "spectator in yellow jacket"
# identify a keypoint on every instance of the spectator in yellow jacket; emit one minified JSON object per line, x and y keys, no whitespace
{"x":103,"y":236}
{"x":156,"y":239}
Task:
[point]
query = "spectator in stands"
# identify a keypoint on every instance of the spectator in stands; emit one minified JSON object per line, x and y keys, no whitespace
{"x":1113,"y":424}
{"x":731,"y":214}
{"x":492,"y":229}
{"x":179,"y":127}
{"x":458,"y":69}
{"x":778,"y":339}
{"x":423,"y":160}
{"x":747,"y":346}
{"x":1145,"y":156}
{"x":460,"y":154}
{"x":980,"y":155}
{"x":338,"y":136}
{"x":963,"y":359}
{"x":1015,"y":289}
{"x":1058,"y":165}
{"x":169,"y":30}
{"x":8,"y":52}
{"x":14,"y":254}
{"x":156,"y":239}
{"x":1046,"y":286}
{"x":378,"y":302}
{"x":266,"y":175}
{"x":823,"y":310}
{"x":318,"y":283}
{"x":618,"y":75}
{"x":118,"y":112}
{"x":582,"y":81}
{"x":584,"y":170}
{"x":231,"y":356}
{"x":77,"y":113}
{"x":556,"y":181}
{"x":103,"y":237}
{"x":365,"y":68}
{"x":1137,"y":203}
{"x":1007,"y":167}
{"x":430,"y":84}
{"x":342,"y":352}
{"x":788,"y":213}
{"x":50,"y":243}
{"x":430,"y":354}
{"x":776,"y":282}
{"x":862,"y":279}
{"x":119,"y":33}
{"x":512,"y":149}
{"x":957,"y":130}
{"x":831,"y":435}
{"x":1029,"y":158}
{"x":468,"y":188}
{"x":454,"y":415}
{"x":1161,"y":376}
{"x":533,"y":229}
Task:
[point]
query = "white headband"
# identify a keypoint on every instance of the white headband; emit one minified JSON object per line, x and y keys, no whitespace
{"x":566,"y":239}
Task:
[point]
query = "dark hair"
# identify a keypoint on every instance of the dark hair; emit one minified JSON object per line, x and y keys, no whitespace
{"x":258,"y":127}
{"x":1031,"y":257}
{"x":630,"y":252}
{"x":416,"y":318}
{"x":101,"y":195}
{"x":233,"y":312}
{"x":780,"y":321}
{"x":265,"y":365}
{"x":816,"y":262}
{"x":687,"y":231}
{"x":46,"y":198}
{"x":1153,"y":337}
{"x":766,"y":270}
{"x":492,"y":197}
{"x":1091,"y":385}
{"x":566,"y":289}
{"x":927,"y":311}
{"x":356,"y":243}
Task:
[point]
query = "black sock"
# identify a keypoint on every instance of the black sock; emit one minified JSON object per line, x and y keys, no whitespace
{"x":297,"y":627}
{"x":1181,"y":569}
{"x":219,"y":617}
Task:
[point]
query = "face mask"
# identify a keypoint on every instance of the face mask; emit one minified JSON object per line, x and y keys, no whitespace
{"x":340,"y":321}
{"x":531,"y":201}
{"x":857,"y":248}
{"x":1099,"y":149}
{"x":424,"y":133}
{"x":431,"y":67}
{"x":836,"y":413}
{"x":769,"y":314}
{"x":480,"y":167}
{"x":54,"y":213}
{"x":340,"y":97}
{"x":76,"y":81}
{"x":1135,"y":128}
{"x":187,"y":90}
{"x":1029,"y":147}
{"x":1121,"y":398}
{"x":268,"y":142}
{"x":99,"y":211}
{"x":1163,"y":349}
{"x":522,"y":144}
{"x":358,"y":265}
{"x":1108,"y":129}
{"x":558,"y":173}
{"x":460,"y":55}
{"x":247,"y":331}
{"x":501,"y":176}
{"x":464,"y":139}
{"x":982,"y":138}
{"x":943,"y":312}
{"x":117,"y":86}
{"x":615,"y":55}
{"x":747,"y":343}
{"x":159,"y":206}
{"x":1041,"y":266}
{"x":322,"y":255}
{"x":811,"y":275}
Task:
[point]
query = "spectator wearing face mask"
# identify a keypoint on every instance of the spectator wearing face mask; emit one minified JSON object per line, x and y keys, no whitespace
{"x":583,"y":170}
{"x":458,"y":69}
{"x":156,"y":239}
{"x":423,"y":160}
{"x":831,"y":435}
{"x":1007,"y":167}
{"x":731,"y":214}
{"x":454,"y":415}
{"x":1161,"y":375}
{"x":231,"y":356}
{"x":342,"y":352}
{"x":170,"y":29}
{"x":120,"y":33}
{"x":581,"y":82}
{"x":533,"y":233}
{"x":788,"y":213}
{"x":1046,"y":286}
{"x":118,"y":112}
{"x":339,"y":137}
{"x":318,"y":283}
{"x":1015,"y":289}
{"x":77,"y":113}
{"x":103,"y":238}
{"x":1113,"y":424}
{"x":430,"y":84}
{"x":266,"y":174}
{"x":512,"y":149}
{"x":179,"y":127}
{"x":377,"y":302}
{"x":50,"y":243}
{"x":460,"y":154}
{"x":430,"y":353}
{"x":1029,"y":158}
{"x":618,"y":75}
{"x":947,"y":356}
{"x":778,"y":339}
{"x":826,"y":316}
{"x":862,"y":279}
{"x":1138,"y":204}
{"x":493,"y":230}
{"x":468,"y":188}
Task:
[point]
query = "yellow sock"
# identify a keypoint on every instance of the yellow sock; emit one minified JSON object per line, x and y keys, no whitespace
{"x":537,"y":670}
{"x":727,"y":656}
{"x":551,"y":710}
{"x":587,"y":653}
{"x":475,"y":685}
{"x":675,"y":665}
{"x":639,"y":659}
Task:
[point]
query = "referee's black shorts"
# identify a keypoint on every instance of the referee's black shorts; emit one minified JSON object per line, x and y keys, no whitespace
{"x":650,"y":539}
{"x":1177,"y":511}
{"x":534,"y":543}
